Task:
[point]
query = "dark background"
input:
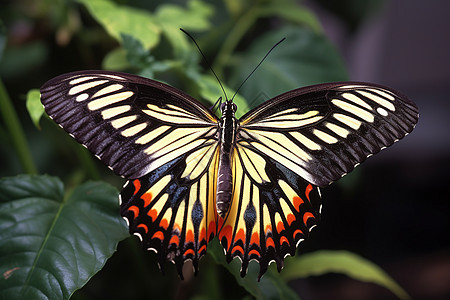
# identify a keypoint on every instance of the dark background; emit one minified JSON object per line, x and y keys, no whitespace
{"x":398,"y":215}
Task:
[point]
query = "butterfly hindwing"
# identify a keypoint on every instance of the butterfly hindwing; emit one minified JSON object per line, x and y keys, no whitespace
{"x":173,"y":215}
{"x":272,"y":210}
{"x":322,"y":132}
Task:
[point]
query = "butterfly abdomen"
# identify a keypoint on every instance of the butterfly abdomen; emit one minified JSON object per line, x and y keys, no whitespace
{"x":227,"y":137}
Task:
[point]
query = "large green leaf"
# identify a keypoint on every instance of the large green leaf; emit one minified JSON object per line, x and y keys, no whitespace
{"x":51,"y":243}
{"x":34,"y":106}
{"x":304,"y":58}
{"x":343,"y":262}
{"x":271,"y":286}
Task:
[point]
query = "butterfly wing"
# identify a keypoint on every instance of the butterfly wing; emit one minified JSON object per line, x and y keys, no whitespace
{"x":293,"y":143}
{"x":322,"y":132}
{"x":161,"y":139}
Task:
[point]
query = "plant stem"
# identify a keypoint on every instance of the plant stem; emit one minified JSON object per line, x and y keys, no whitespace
{"x":242,"y":25}
{"x":15,"y":131}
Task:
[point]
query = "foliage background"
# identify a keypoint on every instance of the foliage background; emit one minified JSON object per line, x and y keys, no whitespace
{"x":392,"y":210}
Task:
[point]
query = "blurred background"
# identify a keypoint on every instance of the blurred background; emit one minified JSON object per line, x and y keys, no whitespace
{"x":393,"y":210}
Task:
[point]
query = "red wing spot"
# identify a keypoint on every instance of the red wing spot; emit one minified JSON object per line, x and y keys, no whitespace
{"x":290,"y":218}
{"x":189,"y":236}
{"x":270,"y":243}
{"x":307,"y":191}
{"x":298,"y":231}
{"x":255,"y":239}
{"x":159,"y":235}
{"x":221,"y":220}
{"x":147,"y":197}
{"x":152,"y":213}
{"x":226,"y":232}
{"x":236,"y":249}
{"x":284,"y":239}
{"x":189,"y":251}
{"x":297,"y":202}
{"x":202,"y":234}
{"x":280,"y":226}
{"x":174,"y":240}
{"x":306,"y":216}
{"x":164,"y":223}
{"x":254,"y":252}
{"x":137,"y":186}
{"x":144,"y":227}
{"x":202,"y":248}
{"x":211,"y":230}
{"x":240,"y":235}
{"x":176,"y":227}
{"x":135,"y":211}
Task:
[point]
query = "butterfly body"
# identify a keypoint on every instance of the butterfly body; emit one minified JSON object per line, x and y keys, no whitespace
{"x":228,"y":125}
{"x":252,"y":182}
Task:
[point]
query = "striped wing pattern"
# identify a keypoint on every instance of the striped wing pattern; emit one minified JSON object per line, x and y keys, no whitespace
{"x":322,"y":132}
{"x":166,"y":144}
{"x":272,"y":211}
{"x":293,"y":143}
{"x":161,"y":139}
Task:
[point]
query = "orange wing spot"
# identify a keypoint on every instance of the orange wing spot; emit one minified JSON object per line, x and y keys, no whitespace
{"x":174,"y":240}
{"x":307,"y":191}
{"x":226,"y":232}
{"x":202,"y":234}
{"x":189,"y":251}
{"x":143,"y":226}
{"x":176,"y":227}
{"x":202,"y":248}
{"x":280,"y":226}
{"x":297,"y":202}
{"x":254,"y":252}
{"x":189,"y":236}
{"x":220,"y":223}
{"x":135,"y":210}
{"x":306,"y":216}
{"x":298,"y":231}
{"x":240,"y":235}
{"x":268,"y":229}
{"x":137,"y":186}
{"x":236,"y":249}
{"x":290,"y":218}
{"x":270,"y":243}
{"x":164,"y":223}
{"x":147,"y":197}
{"x":255,"y":238}
{"x":158,"y":235}
{"x":284,"y":239}
{"x":152,"y":213}
{"x":211,"y":229}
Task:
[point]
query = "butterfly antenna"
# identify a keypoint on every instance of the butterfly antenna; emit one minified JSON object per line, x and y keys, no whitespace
{"x":204,"y":57}
{"x":249,"y":75}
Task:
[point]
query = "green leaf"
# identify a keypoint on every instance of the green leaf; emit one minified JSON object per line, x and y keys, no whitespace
{"x":304,"y":58}
{"x":51,"y":244}
{"x":271,"y":286}
{"x":352,"y":265}
{"x":34,"y":106}
{"x":173,"y":17}
{"x":120,"y":19}
{"x":116,"y":60}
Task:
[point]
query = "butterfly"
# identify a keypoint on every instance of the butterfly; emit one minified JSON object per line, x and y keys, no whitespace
{"x":253,"y":182}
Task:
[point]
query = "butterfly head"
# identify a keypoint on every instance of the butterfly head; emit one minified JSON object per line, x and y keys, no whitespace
{"x":228,"y":107}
